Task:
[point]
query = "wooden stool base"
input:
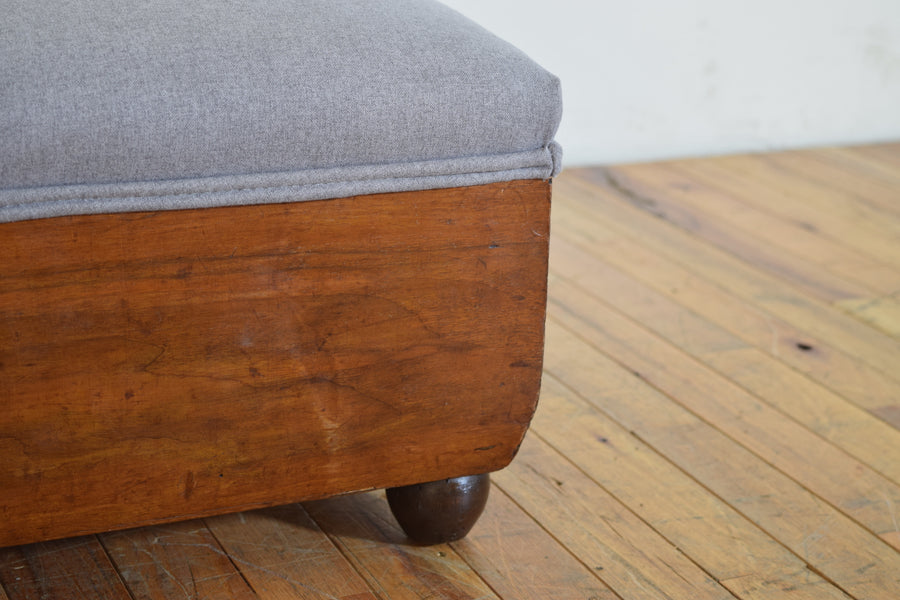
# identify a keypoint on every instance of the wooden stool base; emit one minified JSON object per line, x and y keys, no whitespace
{"x":163,"y":366}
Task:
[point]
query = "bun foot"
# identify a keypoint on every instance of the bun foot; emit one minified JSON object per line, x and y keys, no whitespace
{"x":439,"y":511}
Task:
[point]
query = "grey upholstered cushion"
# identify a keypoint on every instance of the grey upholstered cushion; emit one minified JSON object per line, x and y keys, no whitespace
{"x":119,"y":105}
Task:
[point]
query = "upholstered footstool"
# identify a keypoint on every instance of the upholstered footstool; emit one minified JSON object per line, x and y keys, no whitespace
{"x":262,"y":252}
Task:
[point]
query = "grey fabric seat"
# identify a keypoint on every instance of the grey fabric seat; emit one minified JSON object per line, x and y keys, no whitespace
{"x":120,"y":105}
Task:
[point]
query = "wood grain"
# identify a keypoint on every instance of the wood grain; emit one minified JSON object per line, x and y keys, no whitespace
{"x":882,"y":313}
{"x":362,"y":527}
{"x":852,"y":163}
{"x":845,"y":553}
{"x":813,"y":405}
{"x":763,"y":311}
{"x":863,"y":181}
{"x":814,"y":205}
{"x":715,"y":534}
{"x":177,"y":560}
{"x":749,"y":280}
{"x":887,"y":155}
{"x":158,"y":366}
{"x":519,"y":559}
{"x":780,"y":442}
{"x":822,"y":267}
{"x":76,"y":568}
{"x":283,"y":554}
{"x":622,"y":550}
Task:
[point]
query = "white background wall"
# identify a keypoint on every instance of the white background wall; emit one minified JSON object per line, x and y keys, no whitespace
{"x":648,"y":79}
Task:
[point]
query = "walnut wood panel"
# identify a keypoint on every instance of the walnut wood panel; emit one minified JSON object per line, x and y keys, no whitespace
{"x":158,"y":366}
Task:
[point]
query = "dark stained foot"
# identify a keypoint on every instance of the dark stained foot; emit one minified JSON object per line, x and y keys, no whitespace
{"x":440,"y":511}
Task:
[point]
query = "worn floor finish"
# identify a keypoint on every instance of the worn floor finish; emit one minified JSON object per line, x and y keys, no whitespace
{"x":720,"y":417}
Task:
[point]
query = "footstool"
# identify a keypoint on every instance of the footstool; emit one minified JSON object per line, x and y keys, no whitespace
{"x":263,"y":252}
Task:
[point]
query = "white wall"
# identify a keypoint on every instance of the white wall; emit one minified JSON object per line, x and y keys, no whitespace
{"x":648,"y":79}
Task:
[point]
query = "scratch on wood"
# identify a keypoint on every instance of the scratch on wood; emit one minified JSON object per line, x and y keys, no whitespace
{"x":632,"y":197}
{"x":238,"y":560}
{"x":189,"y":485}
{"x":892,"y":510}
{"x":159,"y":565}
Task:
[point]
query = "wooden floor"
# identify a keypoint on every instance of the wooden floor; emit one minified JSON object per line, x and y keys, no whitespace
{"x":720,"y":417}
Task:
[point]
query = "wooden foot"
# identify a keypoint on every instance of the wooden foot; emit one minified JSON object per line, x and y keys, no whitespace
{"x":440,"y":511}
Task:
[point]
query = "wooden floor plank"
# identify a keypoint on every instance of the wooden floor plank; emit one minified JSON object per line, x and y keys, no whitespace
{"x":774,"y":295}
{"x":283,"y":554}
{"x":362,"y":526}
{"x":881,"y":313}
{"x":832,"y":544}
{"x":825,"y":269}
{"x":847,"y":484}
{"x":850,"y":180}
{"x":871,"y":440}
{"x":715,"y":536}
{"x":627,"y":554}
{"x":178,"y":560}
{"x":635,"y":243}
{"x":519,"y":559}
{"x":887,"y":155}
{"x":856,"y":431}
{"x":855,"y":160}
{"x":739,"y":299}
{"x":796,"y":199}
{"x":74,"y":568}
